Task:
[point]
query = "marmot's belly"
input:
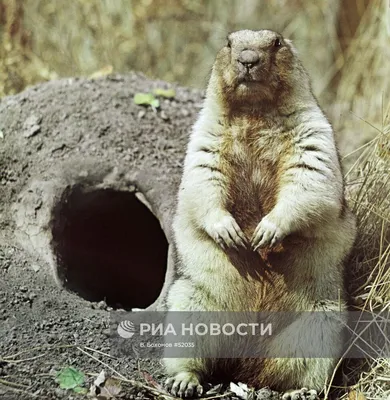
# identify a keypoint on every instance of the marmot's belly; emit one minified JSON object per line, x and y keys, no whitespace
{"x":250,"y":196}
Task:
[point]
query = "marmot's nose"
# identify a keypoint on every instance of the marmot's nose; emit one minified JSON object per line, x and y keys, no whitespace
{"x":248,"y":58}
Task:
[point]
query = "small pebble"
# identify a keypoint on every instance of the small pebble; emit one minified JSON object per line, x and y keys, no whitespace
{"x":164,"y":116}
{"x":35,"y":267}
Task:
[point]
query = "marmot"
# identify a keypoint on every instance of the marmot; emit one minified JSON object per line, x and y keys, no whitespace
{"x":261,"y":221}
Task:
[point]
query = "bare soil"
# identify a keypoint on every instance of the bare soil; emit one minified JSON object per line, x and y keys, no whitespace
{"x":74,"y":156}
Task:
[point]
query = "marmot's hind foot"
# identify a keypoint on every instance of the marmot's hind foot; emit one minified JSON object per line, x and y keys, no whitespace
{"x":184,"y":384}
{"x":302,"y":394}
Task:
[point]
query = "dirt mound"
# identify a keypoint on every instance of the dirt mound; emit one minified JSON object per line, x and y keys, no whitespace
{"x":88,"y":181}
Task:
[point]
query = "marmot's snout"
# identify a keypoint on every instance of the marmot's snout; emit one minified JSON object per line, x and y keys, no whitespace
{"x":248,"y":58}
{"x":248,"y":65}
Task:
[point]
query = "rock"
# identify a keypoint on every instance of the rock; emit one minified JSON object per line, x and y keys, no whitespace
{"x":31,"y":126}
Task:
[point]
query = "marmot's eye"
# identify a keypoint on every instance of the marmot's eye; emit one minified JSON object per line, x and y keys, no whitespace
{"x":277,"y":43}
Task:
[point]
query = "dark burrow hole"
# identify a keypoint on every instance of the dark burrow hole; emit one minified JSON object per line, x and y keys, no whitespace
{"x":109,"y":246}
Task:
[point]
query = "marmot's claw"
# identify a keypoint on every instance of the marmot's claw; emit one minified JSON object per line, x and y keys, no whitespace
{"x":184,"y":384}
{"x":228,"y":234}
{"x":302,"y":394}
{"x":267,"y":234}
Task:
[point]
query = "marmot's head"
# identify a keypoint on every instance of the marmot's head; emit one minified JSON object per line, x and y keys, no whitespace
{"x":258,"y":66}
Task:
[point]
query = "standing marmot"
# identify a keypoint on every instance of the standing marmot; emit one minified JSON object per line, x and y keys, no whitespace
{"x":261,"y":222}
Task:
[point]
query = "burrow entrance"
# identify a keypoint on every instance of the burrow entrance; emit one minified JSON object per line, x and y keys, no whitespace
{"x":109,"y":246}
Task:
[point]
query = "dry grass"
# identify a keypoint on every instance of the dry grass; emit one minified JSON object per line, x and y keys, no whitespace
{"x":363,"y":101}
{"x":176,"y":40}
{"x":368,"y":185}
{"x":364,"y":84}
{"x":19,"y":67}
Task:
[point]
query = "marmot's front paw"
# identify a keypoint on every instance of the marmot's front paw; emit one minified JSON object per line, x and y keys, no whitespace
{"x":184,"y":384}
{"x":267,"y":234}
{"x":227,"y":233}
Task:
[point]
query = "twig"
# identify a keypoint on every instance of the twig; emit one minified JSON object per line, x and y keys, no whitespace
{"x":29,"y":394}
{"x":6,"y":358}
{"x":8,"y":383}
{"x":25,"y":359}
{"x":100,"y":352}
